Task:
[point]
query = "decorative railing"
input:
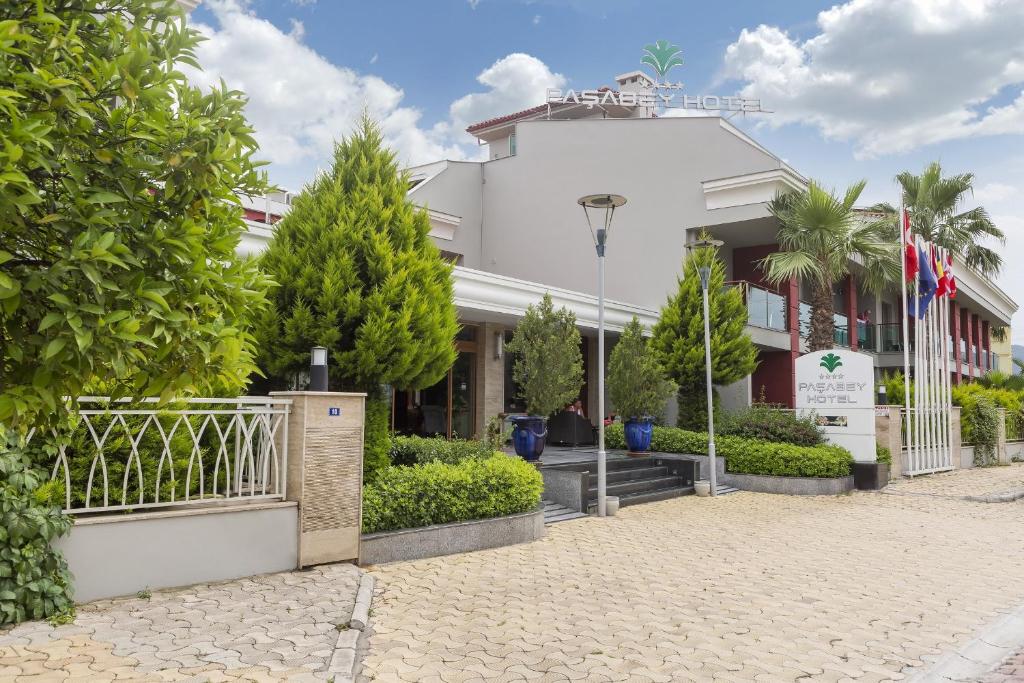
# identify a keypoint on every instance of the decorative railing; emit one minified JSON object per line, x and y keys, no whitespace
{"x":137,"y":455}
{"x":765,"y":308}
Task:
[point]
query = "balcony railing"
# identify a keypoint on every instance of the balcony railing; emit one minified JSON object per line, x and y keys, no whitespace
{"x":765,"y":308}
{"x":841,"y":334}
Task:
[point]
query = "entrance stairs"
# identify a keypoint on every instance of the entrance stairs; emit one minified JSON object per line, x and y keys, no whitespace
{"x":641,"y":480}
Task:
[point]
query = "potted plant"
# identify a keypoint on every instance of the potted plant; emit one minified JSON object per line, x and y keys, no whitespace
{"x":547,"y":366}
{"x":637,"y":387}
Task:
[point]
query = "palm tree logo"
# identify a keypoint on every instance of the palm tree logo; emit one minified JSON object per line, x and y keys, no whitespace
{"x":830,"y":362}
{"x":663,"y":55}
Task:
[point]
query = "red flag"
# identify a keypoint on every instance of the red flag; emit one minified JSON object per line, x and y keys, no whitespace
{"x":950,"y":278}
{"x":909,"y":249}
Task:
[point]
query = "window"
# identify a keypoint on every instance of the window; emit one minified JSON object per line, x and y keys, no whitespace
{"x":512,"y":145}
{"x":455,"y":258}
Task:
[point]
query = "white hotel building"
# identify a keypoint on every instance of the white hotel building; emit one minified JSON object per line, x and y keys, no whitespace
{"x":515,"y":231}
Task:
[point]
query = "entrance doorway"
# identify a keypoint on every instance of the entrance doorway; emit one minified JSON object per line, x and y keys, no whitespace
{"x":446,"y":408}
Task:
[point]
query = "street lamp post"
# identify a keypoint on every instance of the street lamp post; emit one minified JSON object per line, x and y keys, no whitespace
{"x":705,"y":278}
{"x":598,"y":203}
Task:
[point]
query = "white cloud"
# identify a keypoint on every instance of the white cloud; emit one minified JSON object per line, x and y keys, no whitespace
{"x":892,"y":75}
{"x":299,"y":102}
{"x":373,"y":59}
{"x":473,"y":3}
{"x":536,"y":19}
{"x":995,"y":192}
{"x":515,"y":82}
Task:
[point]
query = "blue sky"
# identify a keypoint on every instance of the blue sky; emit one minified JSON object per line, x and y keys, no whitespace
{"x":862,"y":89}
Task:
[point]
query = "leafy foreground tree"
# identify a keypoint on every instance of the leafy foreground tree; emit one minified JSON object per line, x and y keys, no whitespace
{"x":636,"y":380}
{"x":818,"y":236}
{"x":937,"y":213}
{"x":678,"y":337}
{"x":547,"y":362}
{"x":119,"y":223}
{"x":358,"y":275}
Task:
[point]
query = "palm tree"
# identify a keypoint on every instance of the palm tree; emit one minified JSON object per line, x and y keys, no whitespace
{"x":935,"y":204}
{"x":819,"y":234}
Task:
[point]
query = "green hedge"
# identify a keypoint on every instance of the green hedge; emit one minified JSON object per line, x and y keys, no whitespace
{"x":438,"y":493}
{"x":769,"y":422}
{"x":418,"y":450}
{"x":748,"y":456}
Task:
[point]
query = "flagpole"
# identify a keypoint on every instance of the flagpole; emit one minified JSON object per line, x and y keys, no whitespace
{"x":906,"y":334}
{"x":918,"y":357}
{"x":946,"y":377}
{"x":928,"y":434}
{"x":932,"y":431}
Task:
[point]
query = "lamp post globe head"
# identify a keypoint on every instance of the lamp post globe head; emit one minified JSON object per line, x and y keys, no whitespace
{"x":598,"y":203}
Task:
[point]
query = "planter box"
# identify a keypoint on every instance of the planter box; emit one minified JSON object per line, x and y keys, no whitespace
{"x":794,"y":486}
{"x":870,"y":476}
{"x":447,"y":539}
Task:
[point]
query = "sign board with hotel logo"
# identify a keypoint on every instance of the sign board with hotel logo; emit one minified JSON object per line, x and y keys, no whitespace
{"x":838,"y":387}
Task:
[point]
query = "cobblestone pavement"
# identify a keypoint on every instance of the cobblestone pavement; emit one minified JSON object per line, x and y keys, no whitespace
{"x":741,"y":587}
{"x":981,"y":481}
{"x":267,"y":628}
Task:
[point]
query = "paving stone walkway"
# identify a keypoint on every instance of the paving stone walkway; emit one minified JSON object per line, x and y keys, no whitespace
{"x":267,"y":628}
{"x":863,"y":587}
{"x":978,"y":482}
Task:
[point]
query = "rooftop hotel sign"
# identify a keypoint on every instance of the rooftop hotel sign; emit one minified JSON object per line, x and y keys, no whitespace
{"x":837,"y":386}
{"x":661,"y":56}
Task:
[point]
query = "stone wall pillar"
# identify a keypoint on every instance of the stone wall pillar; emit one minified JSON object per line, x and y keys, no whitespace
{"x":490,"y":376}
{"x":956,"y":439}
{"x":325,"y":472}
{"x":887,"y":434}
{"x":1002,"y":456}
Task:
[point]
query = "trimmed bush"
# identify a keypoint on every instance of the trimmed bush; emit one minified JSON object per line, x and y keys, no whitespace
{"x":883,"y":455}
{"x":439,"y":493}
{"x":418,"y":450}
{"x":769,"y":423}
{"x":748,"y":456}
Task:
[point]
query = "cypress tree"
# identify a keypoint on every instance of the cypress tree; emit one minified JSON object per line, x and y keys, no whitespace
{"x":358,"y":274}
{"x":678,"y":337}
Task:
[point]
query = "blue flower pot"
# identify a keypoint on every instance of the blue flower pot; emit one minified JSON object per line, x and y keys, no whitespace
{"x":528,"y":436}
{"x":638,"y":434}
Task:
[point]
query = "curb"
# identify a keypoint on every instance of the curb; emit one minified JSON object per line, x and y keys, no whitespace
{"x":978,"y":656}
{"x":342,"y":668}
{"x":1007,"y":497}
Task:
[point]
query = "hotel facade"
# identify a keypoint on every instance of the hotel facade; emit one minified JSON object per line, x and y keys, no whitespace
{"x":513,"y":228}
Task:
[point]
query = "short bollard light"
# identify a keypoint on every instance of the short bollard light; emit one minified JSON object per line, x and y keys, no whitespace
{"x":318,"y":369}
{"x":883,"y":398}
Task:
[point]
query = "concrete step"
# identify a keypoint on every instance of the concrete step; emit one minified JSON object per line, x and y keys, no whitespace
{"x":649,"y":496}
{"x":722,"y":489}
{"x":553,"y":512}
{"x":636,"y":486}
{"x":617,"y":464}
{"x":631,"y":474}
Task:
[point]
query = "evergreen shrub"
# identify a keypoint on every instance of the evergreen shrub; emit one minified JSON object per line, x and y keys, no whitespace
{"x":440,"y":493}
{"x":748,"y":456}
{"x":417,"y":450}
{"x":771,"y":423}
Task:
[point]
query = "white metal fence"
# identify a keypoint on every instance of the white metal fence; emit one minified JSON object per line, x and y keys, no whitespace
{"x":135,"y":455}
